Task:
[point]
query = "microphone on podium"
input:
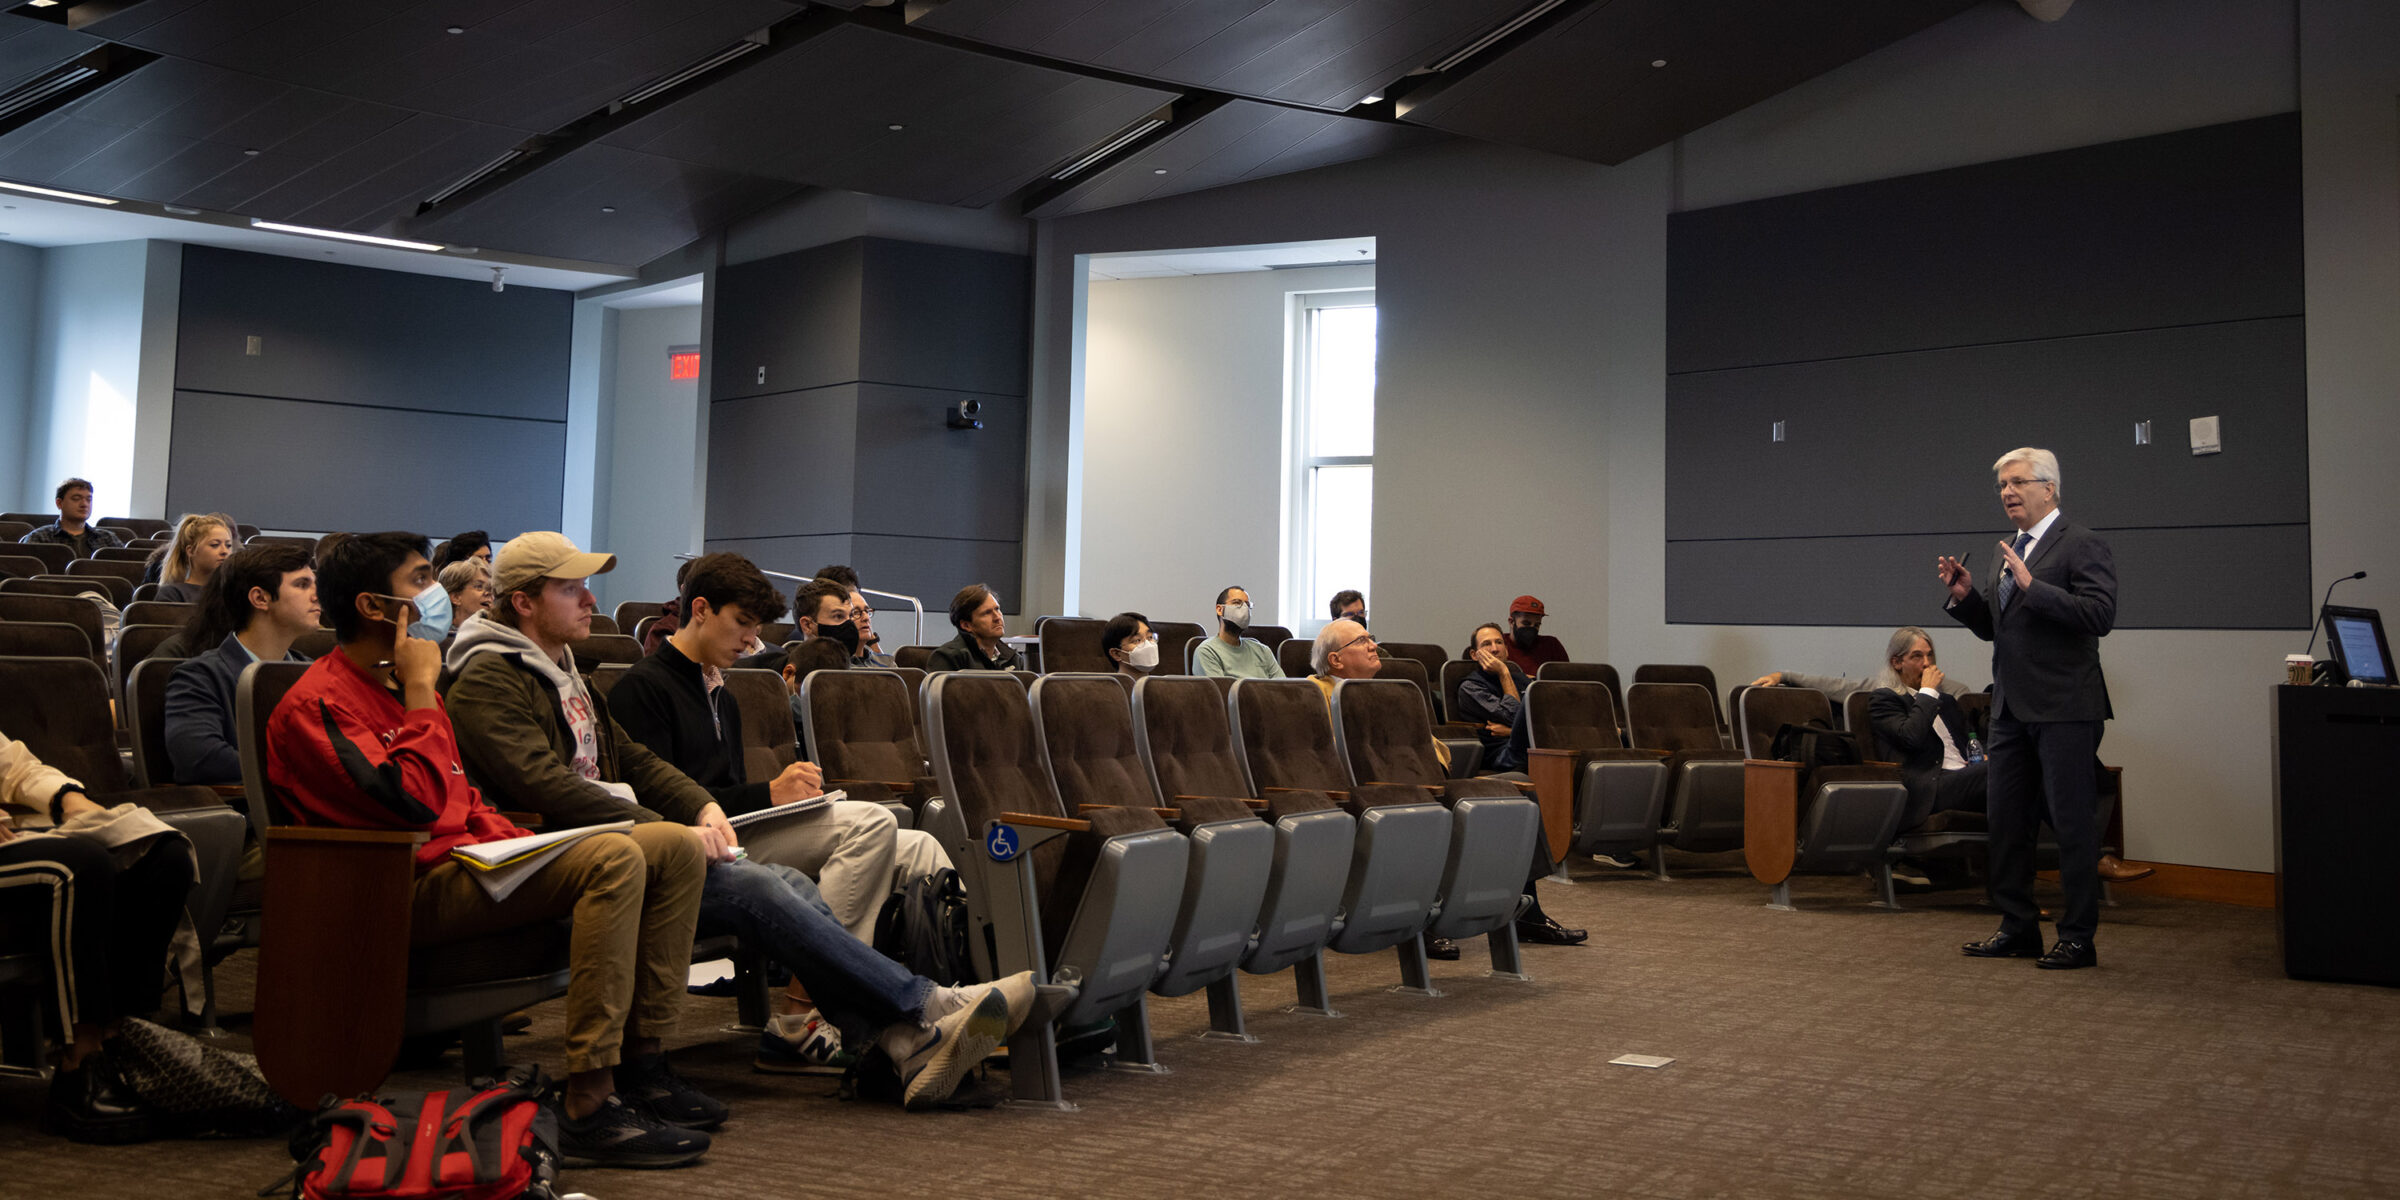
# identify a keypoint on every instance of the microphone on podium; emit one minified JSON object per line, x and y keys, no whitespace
{"x":2320,"y":622}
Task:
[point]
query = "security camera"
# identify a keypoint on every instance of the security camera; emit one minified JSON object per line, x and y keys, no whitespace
{"x":966,"y":414}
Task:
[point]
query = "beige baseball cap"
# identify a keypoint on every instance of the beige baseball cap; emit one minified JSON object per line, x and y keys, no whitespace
{"x":531,"y":556}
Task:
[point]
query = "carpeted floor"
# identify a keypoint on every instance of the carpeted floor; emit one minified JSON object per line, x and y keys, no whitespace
{"x":1839,"y":1051}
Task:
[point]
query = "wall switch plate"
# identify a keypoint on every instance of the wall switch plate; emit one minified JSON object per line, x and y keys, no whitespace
{"x":2205,"y":439}
{"x":762,"y":374}
{"x":255,"y":347}
{"x":2141,"y":433}
{"x":1779,"y":431}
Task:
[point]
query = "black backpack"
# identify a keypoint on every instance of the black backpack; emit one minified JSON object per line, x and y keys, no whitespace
{"x":1816,"y":745}
{"x":924,"y":927}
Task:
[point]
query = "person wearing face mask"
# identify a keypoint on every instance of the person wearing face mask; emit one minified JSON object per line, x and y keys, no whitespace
{"x":975,"y":613}
{"x":1128,"y":642}
{"x":1349,"y":604}
{"x":1528,"y":647}
{"x":1230,"y":655}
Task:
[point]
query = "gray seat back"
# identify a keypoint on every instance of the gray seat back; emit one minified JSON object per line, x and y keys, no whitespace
{"x":261,"y":688}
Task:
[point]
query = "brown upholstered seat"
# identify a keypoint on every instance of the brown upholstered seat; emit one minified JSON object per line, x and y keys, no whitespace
{"x":1293,"y":655}
{"x":157,"y":612}
{"x":862,"y":727}
{"x":1073,"y":644}
{"x":604,"y":648}
{"x":1692,"y":673}
{"x":1174,"y":638}
{"x":43,"y":639}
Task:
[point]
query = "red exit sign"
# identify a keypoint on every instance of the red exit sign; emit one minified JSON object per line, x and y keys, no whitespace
{"x":683,"y":364}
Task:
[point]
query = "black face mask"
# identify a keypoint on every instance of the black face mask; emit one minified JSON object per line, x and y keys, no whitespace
{"x":845,"y":633}
{"x":1525,"y":636}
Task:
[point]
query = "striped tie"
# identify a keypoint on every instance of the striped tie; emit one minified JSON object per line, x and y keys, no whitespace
{"x":2007,"y":590}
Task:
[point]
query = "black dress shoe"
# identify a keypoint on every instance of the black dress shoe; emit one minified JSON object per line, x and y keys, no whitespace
{"x":1441,"y":948}
{"x":91,"y":1104}
{"x":2000,"y":945}
{"x":2069,"y":956}
{"x":1548,"y":932}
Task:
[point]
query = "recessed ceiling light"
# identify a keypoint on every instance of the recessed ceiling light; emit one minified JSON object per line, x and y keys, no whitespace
{"x":1158,"y":170}
{"x":1658,"y":62}
{"x":180,"y":211}
{"x":41,"y":3}
{"x":456,"y":29}
{"x":608,"y":208}
{"x":43,"y":191}
{"x":252,"y":152}
{"x":344,"y":235}
{"x":1371,"y":98}
{"x":895,"y":127}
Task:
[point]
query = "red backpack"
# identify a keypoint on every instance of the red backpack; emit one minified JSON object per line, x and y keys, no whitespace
{"x":496,"y":1143}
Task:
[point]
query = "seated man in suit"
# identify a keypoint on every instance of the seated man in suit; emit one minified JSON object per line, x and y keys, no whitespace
{"x":975,"y":613}
{"x":1917,"y":719}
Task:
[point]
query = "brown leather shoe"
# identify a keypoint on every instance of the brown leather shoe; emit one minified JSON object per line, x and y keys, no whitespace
{"x":2114,"y":870}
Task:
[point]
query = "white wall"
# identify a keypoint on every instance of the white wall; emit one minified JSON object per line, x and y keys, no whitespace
{"x":20,"y":285}
{"x":1184,"y":395}
{"x":87,"y":361}
{"x":645,"y":504}
{"x":1523,"y":301}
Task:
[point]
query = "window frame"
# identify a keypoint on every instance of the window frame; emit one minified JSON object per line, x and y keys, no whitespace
{"x":1301,"y":588}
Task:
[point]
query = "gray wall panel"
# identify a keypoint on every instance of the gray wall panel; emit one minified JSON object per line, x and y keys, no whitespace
{"x":2241,"y":577}
{"x":918,"y":476}
{"x":286,"y":464}
{"x":797,"y":315}
{"x":782,"y":465}
{"x":933,"y":569}
{"x":1902,"y":442}
{"x":944,"y":317}
{"x":2181,"y":228}
{"x":790,"y":555}
{"x":356,"y":335}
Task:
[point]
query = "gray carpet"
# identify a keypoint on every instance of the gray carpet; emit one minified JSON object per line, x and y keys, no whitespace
{"x":1837,"y":1051}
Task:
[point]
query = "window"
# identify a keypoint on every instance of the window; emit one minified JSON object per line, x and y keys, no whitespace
{"x":1330,"y":518}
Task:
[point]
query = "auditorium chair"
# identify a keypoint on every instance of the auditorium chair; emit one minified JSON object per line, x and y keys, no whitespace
{"x":1433,"y":659}
{"x":1703,"y":805}
{"x":1454,"y":673}
{"x":337,"y":895}
{"x":43,"y":639}
{"x":58,"y":707}
{"x":631,"y":613}
{"x":916,"y":657}
{"x":1692,"y":673}
{"x":1072,"y":644}
{"x":776,"y":633}
{"x":72,"y":585}
{"x":53,"y":555}
{"x":29,"y":520}
{"x":1464,"y":741}
{"x":145,"y":707}
{"x":1094,"y":757}
{"x":245,"y":532}
{"x":148,"y":527}
{"x":157,"y":612}
{"x":282,"y":539}
{"x":1174,"y":650}
{"x":1184,"y":735}
{"x":315,"y":644}
{"x":130,"y":572}
{"x":63,"y":610}
{"x":1620,"y":794}
{"x":604,"y":648}
{"x":1293,"y":655}
{"x":603,"y":624}
{"x":132,"y":554}
{"x":1190,"y":658}
{"x":1087,"y":904}
{"x":134,"y":643}
{"x":641,"y":630}
{"x":1833,"y":820}
{"x":20,"y":566}
{"x":1495,"y":828}
{"x":1394,"y":882}
{"x":146,"y":592}
{"x":862,"y":728}
{"x":12,"y":530}
{"x":1271,"y":636}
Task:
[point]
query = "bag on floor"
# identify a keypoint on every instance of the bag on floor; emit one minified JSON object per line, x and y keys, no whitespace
{"x":1816,"y":745}
{"x":193,"y":1089}
{"x":492,"y":1140}
{"x":924,"y":927}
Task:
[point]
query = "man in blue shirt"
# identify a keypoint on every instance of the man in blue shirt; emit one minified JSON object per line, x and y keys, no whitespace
{"x":260,"y":602}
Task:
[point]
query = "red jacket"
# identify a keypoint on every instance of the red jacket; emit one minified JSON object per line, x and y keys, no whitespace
{"x":1546,"y":649}
{"x":342,"y":751}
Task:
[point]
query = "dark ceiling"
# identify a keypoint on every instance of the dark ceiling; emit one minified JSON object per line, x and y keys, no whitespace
{"x":579,"y":129}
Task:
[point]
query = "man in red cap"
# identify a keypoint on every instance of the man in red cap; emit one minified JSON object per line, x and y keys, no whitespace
{"x":1528,"y":647}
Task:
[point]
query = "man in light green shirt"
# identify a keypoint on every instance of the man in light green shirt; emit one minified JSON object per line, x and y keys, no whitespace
{"x":1229,"y":654}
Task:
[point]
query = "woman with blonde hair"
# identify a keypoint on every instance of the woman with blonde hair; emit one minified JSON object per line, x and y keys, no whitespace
{"x":203,"y":541}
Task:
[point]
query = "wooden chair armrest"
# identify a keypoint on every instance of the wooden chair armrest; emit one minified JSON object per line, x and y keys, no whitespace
{"x":1168,"y":814}
{"x":231,"y":791}
{"x":898,"y":789}
{"x":1037,"y":821}
{"x":1772,"y":764}
{"x":1549,"y":752}
{"x":1255,"y":805}
{"x":1337,"y":796}
{"x":1770,"y":818}
{"x":523,"y":820}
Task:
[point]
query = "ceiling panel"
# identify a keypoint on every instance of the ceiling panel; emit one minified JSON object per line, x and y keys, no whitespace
{"x":973,"y":127}
{"x":1327,"y":53}
{"x":1241,"y":140}
{"x":29,"y":47}
{"x":532,"y":65}
{"x":556,"y":209}
{"x":1587,"y":88}
{"x":175,"y":132}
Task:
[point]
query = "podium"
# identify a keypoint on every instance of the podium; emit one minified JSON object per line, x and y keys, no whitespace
{"x":2337,"y":826}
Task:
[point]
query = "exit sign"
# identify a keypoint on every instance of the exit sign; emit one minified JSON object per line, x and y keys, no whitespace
{"x":683,"y":363}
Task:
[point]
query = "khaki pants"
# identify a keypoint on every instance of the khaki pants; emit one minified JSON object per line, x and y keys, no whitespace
{"x":857,"y":854}
{"x":634,"y":898}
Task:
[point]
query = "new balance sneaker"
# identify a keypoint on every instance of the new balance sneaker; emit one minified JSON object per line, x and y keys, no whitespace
{"x":649,"y":1084}
{"x":802,"y":1044}
{"x":932,"y":1062}
{"x":617,"y":1134}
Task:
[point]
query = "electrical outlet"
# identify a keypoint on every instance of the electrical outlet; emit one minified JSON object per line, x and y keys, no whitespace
{"x":1779,"y":431}
{"x":2141,"y":433}
{"x":255,"y":347}
{"x":2205,"y":439}
{"x":762,"y":374}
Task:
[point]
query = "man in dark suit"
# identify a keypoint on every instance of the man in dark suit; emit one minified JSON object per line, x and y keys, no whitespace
{"x":2052,"y":597}
{"x":1919,"y":722}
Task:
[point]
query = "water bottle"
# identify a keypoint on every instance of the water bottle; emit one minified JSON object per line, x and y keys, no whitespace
{"x":1974,"y":749}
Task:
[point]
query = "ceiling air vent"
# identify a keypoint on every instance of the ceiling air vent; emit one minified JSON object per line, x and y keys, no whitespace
{"x":66,"y":83}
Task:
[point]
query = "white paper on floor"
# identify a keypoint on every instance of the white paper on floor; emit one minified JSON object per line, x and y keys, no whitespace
{"x":1651,"y":1061}
{"x":705,"y":973}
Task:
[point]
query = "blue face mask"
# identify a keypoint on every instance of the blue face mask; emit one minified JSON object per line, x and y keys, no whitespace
{"x":433,"y":614}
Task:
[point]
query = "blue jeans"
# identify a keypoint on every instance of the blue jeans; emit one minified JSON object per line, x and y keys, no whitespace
{"x":776,"y":911}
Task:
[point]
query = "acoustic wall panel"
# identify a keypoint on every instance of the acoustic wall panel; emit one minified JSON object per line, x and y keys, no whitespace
{"x":1907,"y":332}
{"x":789,"y":322}
{"x":312,"y":466}
{"x":943,"y":317}
{"x":919,"y":477}
{"x":782,"y":465}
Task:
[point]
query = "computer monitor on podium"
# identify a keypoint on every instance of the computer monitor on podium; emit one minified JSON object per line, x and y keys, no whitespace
{"x":2356,"y":637}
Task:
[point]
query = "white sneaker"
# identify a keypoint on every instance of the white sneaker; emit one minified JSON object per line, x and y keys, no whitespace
{"x":936,"y":1059}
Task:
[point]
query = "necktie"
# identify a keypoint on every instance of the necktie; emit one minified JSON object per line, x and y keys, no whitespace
{"x":2007,"y":590}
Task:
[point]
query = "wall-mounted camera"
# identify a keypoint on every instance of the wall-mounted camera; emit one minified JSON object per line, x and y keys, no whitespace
{"x":966,"y":414}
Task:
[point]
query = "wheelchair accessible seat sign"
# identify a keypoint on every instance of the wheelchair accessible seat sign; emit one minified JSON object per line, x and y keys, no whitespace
{"x":1001,"y":843}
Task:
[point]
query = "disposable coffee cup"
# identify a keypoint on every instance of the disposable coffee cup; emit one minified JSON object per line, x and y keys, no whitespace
{"x":2299,"y":669}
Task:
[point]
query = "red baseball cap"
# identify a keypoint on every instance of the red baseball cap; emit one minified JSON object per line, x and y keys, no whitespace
{"x":1526,"y":604}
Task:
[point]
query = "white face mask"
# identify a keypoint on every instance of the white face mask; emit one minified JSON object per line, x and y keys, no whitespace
{"x":1237,"y":615}
{"x":1144,"y":656}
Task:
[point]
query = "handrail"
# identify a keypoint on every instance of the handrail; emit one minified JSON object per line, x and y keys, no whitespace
{"x":913,"y":602}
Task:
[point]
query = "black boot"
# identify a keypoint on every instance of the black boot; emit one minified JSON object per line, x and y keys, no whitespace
{"x":92,"y":1104}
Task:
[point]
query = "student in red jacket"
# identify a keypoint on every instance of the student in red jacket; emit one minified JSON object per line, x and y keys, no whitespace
{"x":362,"y":741}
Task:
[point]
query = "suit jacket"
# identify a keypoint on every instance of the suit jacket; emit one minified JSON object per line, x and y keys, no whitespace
{"x":2046,"y":647}
{"x":1904,"y":728}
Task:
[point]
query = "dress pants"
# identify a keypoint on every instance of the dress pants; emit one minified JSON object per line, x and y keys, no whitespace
{"x":2043,"y":769}
{"x":857,"y":854}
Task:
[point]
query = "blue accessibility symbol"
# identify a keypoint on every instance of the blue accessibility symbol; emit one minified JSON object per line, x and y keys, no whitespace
{"x":1001,"y":843}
